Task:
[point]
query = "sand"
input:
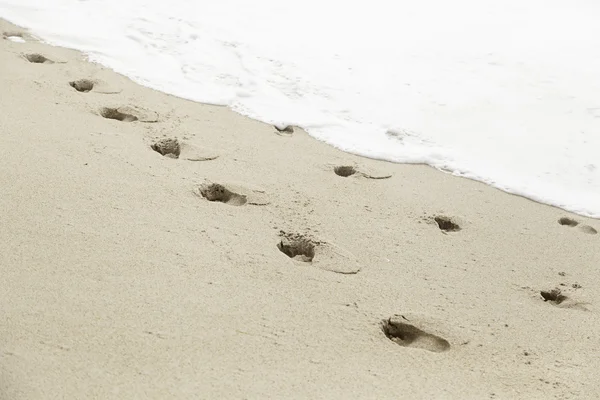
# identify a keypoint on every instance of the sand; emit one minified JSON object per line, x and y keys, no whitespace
{"x":129,"y":274}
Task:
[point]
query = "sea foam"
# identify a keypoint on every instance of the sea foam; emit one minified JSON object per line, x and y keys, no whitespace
{"x":502,"y":92}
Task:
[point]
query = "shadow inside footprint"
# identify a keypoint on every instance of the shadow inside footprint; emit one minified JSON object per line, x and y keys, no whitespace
{"x":113,"y":113}
{"x":568,"y":222}
{"x":560,"y":300}
{"x":297,"y":247}
{"x":398,"y":330}
{"x":217,"y":192}
{"x":446,"y":224}
{"x":82,"y":85}
{"x":167,"y":147}
{"x":555,"y":296}
{"x":345,"y":170}
{"x":38,"y":59}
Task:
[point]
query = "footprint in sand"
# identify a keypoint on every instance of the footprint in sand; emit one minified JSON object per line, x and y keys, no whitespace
{"x":320,"y":254}
{"x":284,"y":130}
{"x":97,"y":86}
{"x":218,"y":192}
{"x":17,"y":37}
{"x":571,"y":223}
{"x":116,"y":114}
{"x":400,"y":330}
{"x":297,"y":247}
{"x":445,"y":223}
{"x":231,"y":194}
{"x":557,"y":298}
{"x":128,"y":114}
{"x":36,"y":58}
{"x":175,"y":148}
{"x":346,"y":171}
{"x":568,"y":222}
{"x":82,"y":85}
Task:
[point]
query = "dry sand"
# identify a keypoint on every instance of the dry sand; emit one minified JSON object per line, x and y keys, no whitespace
{"x":121,"y":280}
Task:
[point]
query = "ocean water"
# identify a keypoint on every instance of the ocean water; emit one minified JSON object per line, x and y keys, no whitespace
{"x":507,"y":92}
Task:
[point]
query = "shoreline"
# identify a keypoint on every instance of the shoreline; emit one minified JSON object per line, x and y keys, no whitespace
{"x":123,"y":280}
{"x":463,"y":149}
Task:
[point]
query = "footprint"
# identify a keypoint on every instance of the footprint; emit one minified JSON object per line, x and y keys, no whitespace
{"x":568,"y":222}
{"x":571,"y":223}
{"x":231,"y":194}
{"x":218,"y":192}
{"x":447,"y":224}
{"x":97,"y":86}
{"x":82,"y":85}
{"x":128,"y":114}
{"x":297,"y":247}
{"x":167,"y":147}
{"x":18,"y":37}
{"x":284,"y":129}
{"x":175,"y":148}
{"x":346,"y":171}
{"x":114,"y":113}
{"x":38,"y":59}
{"x":557,"y":298}
{"x":320,"y":254}
{"x":399,"y":330}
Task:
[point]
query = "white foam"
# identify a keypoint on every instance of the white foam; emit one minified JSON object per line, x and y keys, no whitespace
{"x":503,"y":92}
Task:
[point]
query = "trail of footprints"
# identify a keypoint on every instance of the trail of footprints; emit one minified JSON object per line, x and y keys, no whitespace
{"x":298,"y":247}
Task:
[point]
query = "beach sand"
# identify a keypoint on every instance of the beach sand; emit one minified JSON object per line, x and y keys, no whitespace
{"x":127,"y":274}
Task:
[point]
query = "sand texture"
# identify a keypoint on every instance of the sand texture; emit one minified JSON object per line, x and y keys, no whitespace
{"x":156,"y":248}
